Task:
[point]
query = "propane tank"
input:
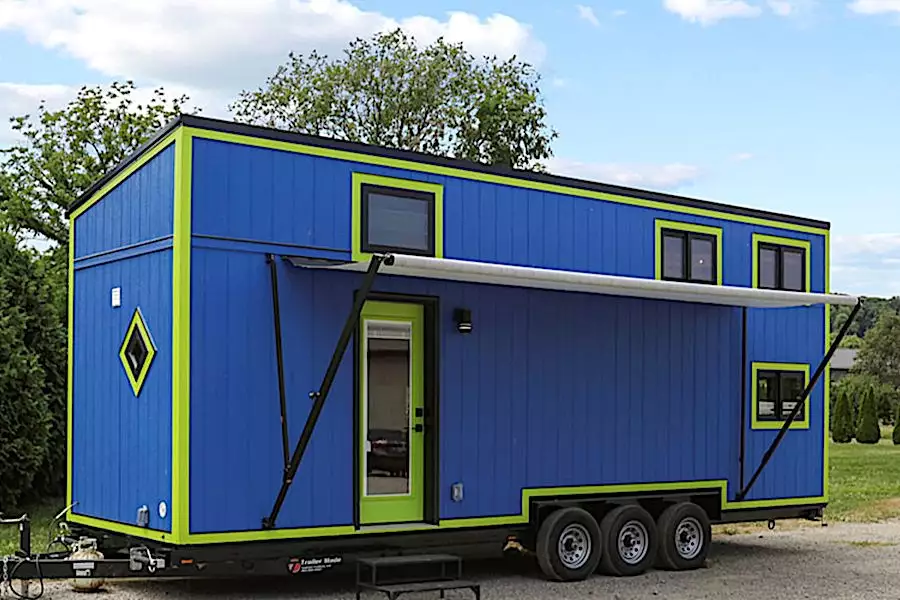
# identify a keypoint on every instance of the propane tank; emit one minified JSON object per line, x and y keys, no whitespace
{"x":85,"y":549}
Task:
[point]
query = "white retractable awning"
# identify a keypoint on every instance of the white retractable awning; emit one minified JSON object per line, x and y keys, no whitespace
{"x":576,"y":281}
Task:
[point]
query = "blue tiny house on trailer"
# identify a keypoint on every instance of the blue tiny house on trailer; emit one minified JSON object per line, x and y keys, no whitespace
{"x":283,"y":337}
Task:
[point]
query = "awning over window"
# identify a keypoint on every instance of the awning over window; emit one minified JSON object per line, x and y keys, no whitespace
{"x":576,"y":281}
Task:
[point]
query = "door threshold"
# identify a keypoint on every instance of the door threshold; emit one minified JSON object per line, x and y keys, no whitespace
{"x":416,"y":526}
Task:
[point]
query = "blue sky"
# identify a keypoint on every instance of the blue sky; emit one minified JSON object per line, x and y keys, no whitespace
{"x":789,"y":105}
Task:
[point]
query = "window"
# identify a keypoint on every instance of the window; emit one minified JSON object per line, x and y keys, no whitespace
{"x":777,"y":390}
{"x":395,"y":215}
{"x":137,"y":352}
{"x":688,"y":252}
{"x":781,"y":263}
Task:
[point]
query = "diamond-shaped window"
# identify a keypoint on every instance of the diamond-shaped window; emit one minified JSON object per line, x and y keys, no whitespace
{"x":137,"y":352}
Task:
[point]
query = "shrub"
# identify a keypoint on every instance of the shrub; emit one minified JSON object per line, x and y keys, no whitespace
{"x":867,"y":429}
{"x":842,"y":418}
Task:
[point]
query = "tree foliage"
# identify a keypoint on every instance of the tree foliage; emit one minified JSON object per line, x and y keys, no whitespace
{"x":879,"y":356}
{"x":867,"y":429}
{"x":842,"y":429}
{"x":895,"y":434}
{"x":869,"y":313}
{"x":389,"y":91}
{"x":63,"y":152}
{"x":32,"y":376}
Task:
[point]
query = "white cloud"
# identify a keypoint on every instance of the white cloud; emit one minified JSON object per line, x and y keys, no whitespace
{"x":586,"y":13}
{"x":232,"y":44}
{"x":875,"y":7}
{"x":866,"y":264}
{"x":792,"y":8}
{"x":17,"y":99}
{"x":710,"y":12}
{"x":742,"y":156}
{"x":664,"y":177}
{"x":619,"y":13}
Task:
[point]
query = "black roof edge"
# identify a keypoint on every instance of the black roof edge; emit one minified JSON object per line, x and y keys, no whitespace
{"x":269,"y":133}
{"x":124,"y":163}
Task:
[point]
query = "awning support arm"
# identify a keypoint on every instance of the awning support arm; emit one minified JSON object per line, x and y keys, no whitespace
{"x":802,"y":400}
{"x":279,"y":357}
{"x":318,"y":397}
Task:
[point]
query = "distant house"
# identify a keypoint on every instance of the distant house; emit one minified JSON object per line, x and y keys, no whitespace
{"x":841,"y":362}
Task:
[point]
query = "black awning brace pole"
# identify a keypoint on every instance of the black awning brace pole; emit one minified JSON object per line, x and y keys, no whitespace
{"x":318,"y":397}
{"x":802,"y":400}
{"x":279,"y":357}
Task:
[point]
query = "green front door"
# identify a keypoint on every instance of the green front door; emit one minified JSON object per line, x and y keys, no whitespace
{"x":391,"y":413}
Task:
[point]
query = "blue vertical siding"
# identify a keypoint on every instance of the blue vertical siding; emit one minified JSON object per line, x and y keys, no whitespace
{"x":551,"y":389}
{"x":278,"y":197}
{"x":122,"y":444}
{"x":139,"y":209}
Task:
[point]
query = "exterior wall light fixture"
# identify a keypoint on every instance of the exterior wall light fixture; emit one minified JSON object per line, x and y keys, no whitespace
{"x":463,"y":318}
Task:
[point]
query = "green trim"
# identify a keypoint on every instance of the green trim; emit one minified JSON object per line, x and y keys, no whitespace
{"x":490,"y":178}
{"x":181,"y":337}
{"x":774,"y":366}
{"x":125,"y":174}
{"x":131,"y":530}
{"x":759,"y":238}
{"x":406,"y":508}
{"x":359,"y":179}
{"x":522,"y":518}
{"x":138,"y":324}
{"x":827,"y":375}
{"x":661,"y":224}
{"x":70,"y":367}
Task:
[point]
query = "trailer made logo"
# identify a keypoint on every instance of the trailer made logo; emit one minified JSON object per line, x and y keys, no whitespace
{"x":313,"y":565}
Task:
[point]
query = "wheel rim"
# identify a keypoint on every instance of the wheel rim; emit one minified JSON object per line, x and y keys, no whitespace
{"x":633,"y":542}
{"x":574,"y":546}
{"x":688,"y":538}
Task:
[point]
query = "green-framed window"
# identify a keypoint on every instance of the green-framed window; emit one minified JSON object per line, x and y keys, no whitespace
{"x":777,"y":388}
{"x":396,"y":215}
{"x":781,"y":263}
{"x":137,"y":351}
{"x":688,"y":252}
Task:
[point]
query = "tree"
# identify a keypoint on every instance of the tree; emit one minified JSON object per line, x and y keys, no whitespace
{"x":63,"y":152}
{"x":391,"y":92}
{"x":867,"y":429}
{"x":29,"y":392}
{"x":895,"y":435}
{"x":842,"y":418}
{"x":879,"y":355}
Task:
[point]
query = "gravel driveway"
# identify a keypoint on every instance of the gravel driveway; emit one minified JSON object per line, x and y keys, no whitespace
{"x":842,"y":560}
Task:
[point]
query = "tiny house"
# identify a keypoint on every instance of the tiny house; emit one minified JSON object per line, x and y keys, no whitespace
{"x":279,"y":338}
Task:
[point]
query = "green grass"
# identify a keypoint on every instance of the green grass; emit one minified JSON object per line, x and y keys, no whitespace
{"x":865,"y":482}
{"x":40,"y":516}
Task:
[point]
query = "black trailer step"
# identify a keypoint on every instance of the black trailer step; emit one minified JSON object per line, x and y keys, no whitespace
{"x":395,"y":575}
{"x":395,"y":589}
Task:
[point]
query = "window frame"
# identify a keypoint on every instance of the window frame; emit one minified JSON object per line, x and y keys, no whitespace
{"x":779,"y":245}
{"x":686,"y":232}
{"x":367,"y":183}
{"x":758,"y":369}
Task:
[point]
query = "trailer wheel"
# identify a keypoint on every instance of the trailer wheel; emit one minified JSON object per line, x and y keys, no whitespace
{"x":685,"y":536}
{"x":569,"y":544}
{"x":630,"y":540}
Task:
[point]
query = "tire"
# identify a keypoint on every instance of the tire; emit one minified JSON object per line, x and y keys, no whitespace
{"x":684,"y":537}
{"x":630,"y":541}
{"x":569,"y":545}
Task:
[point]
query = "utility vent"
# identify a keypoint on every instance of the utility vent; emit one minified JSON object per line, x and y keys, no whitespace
{"x":137,"y":352}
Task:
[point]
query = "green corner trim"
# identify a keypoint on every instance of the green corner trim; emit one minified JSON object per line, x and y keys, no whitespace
{"x":70,"y":367}
{"x":759,"y":238}
{"x":181,"y":335}
{"x":755,"y":368}
{"x":137,"y":327}
{"x":662,"y":224}
{"x":359,"y":179}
